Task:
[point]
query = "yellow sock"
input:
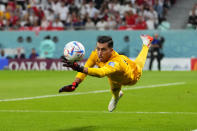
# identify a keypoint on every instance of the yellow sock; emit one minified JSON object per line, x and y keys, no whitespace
{"x":141,"y":58}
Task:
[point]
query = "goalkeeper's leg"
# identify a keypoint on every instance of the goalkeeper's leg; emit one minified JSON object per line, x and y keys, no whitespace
{"x":116,"y":95}
{"x":141,"y":58}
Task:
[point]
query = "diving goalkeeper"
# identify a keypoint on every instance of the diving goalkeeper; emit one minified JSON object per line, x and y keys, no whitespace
{"x":119,"y":69}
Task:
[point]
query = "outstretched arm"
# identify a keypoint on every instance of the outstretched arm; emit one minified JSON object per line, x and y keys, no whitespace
{"x":97,"y":72}
{"x":108,"y":69}
{"x":78,"y":80}
{"x":89,"y":63}
{"x":80,"y":76}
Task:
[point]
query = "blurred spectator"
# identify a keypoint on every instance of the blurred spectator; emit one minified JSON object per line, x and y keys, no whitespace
{"x":91,"y":9}
{"x":192,"y":20}
{"x":50,"y":15}
{"x":111,"y":23}
{"x":158,"y":6}
{"x":130,"y":18}
{"x":2,"y":55}
{"x":45,"y":23}
{"x":55,"y":5}
{"x":47,"y":48}
{"x":33,"y":54}
{"x":57,"y":23}
{"x":21,"y":3}
{"x":98,"y":3}
{"x":3,"y":60}
{"x":77,"y":22}
{"x":1,"y":23}
{"x":63,"y":12}
{"x":165,"y":25}
{"x":118,"y":19}
{"x":74,"y":21}
{"x":140,"y":23}
{"x":156,"y":51}
{"x":19,"y":54}
{"x":101,"y":25}
{"x":151,"y":17}
{"x":129,"y":7}
{"x":105,"y":14}
{"x":95,"y":19}
{"x":90,"y":25}
{"x":73,"y":7}
{"x":2,"y":7}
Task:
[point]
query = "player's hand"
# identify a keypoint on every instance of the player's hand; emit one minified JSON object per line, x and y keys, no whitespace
{"x":68,"y":88}
{"x":66,"y":63}
{"x":74,"y":65}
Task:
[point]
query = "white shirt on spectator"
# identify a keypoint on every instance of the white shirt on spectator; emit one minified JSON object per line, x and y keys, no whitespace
{"x":111,"y":23}
{"x":195,"y":12}
{"x":161,"y":2}
{"x":4,"y":1}
{"x":150,"y":24}
{"x":33,"y":18}
{"x":101,"y":25}
{"x":55,"y":7}
{"x":45,"y":23}
{"x":117,"y":7}
{"x":92,"y":10}
{"x":111,"y":5}
{"x":128,"y":8}
{"x":152,"y":14}
{"x":57,"y":24}
{"x":122,"y":10}
{"x":63,"y":12}
{"x":50,"y":16}
{"x":78,"y":3}
{"x":90,"y":25}
{"x":44,"y":4}
{"x":2,"y":8}
{"x":34,"y":2}
{"x":83,"y":9}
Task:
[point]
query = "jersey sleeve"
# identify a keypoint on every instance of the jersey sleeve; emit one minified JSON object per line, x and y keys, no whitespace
{"x":108,"y":69}
{"x":89,"y":63}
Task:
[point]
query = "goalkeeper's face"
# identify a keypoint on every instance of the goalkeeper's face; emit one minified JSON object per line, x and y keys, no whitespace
{"x":104,"y":52}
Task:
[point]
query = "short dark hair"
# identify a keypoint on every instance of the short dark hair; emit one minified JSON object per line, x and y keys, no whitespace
{"x":106,"y":39}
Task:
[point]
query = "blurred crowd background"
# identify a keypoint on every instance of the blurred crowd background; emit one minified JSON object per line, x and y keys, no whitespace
{"x":84,"y":14}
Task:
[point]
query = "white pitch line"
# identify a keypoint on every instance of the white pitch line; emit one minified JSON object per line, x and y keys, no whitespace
{"x":93,"y":92}
{"x":115,"y":112}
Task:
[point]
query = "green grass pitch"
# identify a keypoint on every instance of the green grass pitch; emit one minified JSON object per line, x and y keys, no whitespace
{"x":150,"y":108}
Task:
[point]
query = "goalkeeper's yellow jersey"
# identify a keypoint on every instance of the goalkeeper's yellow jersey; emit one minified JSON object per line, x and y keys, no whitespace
{"x":119,"y":69}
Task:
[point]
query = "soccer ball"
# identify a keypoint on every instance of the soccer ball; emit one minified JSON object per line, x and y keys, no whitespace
{"x":74,"y":51}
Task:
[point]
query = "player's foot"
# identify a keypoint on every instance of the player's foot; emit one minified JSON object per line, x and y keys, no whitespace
{"x":146,"y":39}
{"x":113,"y":102}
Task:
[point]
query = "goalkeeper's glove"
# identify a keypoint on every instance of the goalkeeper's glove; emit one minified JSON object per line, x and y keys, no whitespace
{"x":68,"y":88}
{"x":74,"y":65}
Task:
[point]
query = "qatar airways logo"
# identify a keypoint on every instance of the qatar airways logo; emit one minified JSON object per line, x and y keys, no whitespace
{"x":52,"y":64}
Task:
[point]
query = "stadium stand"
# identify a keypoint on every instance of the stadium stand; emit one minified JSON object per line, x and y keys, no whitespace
{"x":192,"y":19}
{"x":79,"y":14}
{"x":177,"y":16}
